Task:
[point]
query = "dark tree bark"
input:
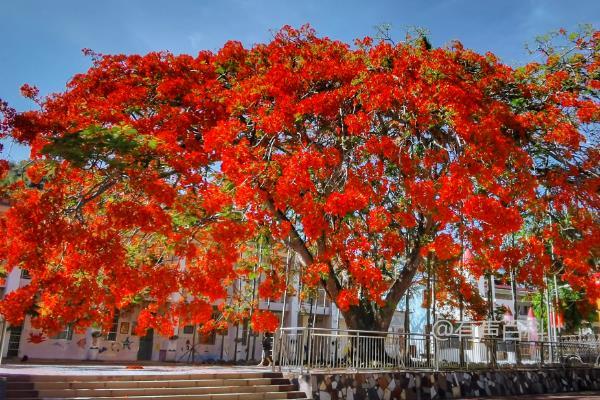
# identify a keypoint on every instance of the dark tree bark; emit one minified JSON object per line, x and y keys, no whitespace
{"x":367,"y":315}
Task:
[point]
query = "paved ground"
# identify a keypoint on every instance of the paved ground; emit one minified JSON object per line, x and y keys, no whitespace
{"x":112,"y":369}
{"x":95,"y":368}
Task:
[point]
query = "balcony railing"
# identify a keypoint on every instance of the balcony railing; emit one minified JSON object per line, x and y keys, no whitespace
{"x":330,"y":349}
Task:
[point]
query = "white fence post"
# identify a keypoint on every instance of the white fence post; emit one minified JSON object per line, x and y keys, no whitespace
{"x":333,"y":348}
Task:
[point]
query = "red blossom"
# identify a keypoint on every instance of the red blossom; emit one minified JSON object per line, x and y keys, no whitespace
{"x":157,"y":174}
{"x":264,"y":321}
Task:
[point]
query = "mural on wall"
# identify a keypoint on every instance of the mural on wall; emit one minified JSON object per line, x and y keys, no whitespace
{"x":112,"y":348}
{"x":115,"y":347}
{"x":127,"y":343}
{"x":36,"y":338}
{"x":81,"y":343}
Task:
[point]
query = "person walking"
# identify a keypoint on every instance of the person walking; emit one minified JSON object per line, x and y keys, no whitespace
{"x":267,"y":345}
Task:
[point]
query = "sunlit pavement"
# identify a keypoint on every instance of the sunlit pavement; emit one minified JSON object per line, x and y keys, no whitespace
{"x":95,"y":368}
{"x":80,"y":368}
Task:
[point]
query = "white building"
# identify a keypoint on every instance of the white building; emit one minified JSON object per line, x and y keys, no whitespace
{"x":239,"y":343}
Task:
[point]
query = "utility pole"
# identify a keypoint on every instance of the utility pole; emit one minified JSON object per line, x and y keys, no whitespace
{"x":427,"y":298}
{"x":433,"y":298}
{"x":490,"y":296}
{"x":407,"y":313}
{"x":2,"y":338}
{"x":237,"y":330}
{"x":513,"y":286}
{"x":428,"y":295}
{"x":288,"y":260}
{"x":557,"y":335}
{"x":549,"y":317}
{"x":251,"y":334}
{"x":407,"y":326}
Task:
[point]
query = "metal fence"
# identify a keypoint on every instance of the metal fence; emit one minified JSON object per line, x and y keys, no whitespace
{"x":319,"y":348}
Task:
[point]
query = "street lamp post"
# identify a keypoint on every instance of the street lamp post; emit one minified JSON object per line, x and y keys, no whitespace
{"x":2,"y":338}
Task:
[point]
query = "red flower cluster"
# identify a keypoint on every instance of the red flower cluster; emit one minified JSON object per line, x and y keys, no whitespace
{"x":346,"y":298}
{"x":264,"y":321}
{"x":152,"y":173}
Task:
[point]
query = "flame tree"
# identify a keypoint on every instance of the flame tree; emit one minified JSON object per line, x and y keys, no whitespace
{"x":360,"y":159}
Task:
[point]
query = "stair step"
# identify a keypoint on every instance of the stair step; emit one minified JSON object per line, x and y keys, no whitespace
{"x":194,"y":386}
{"x":45,"y":385}
{"x":21,"y":385}
{"x":157,"y":390}
{"x":21,"y":394}
{"x":139,"y":377}
{"x":224,"y":396}
{"x":266,"y":396}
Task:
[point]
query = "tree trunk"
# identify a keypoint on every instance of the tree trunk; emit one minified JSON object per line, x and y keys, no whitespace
{"x":371,"y":346}
{"x":370,"y":316}
{"x":366,"y":317}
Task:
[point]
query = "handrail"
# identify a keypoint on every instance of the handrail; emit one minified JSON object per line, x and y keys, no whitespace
{"x":308,"y":348}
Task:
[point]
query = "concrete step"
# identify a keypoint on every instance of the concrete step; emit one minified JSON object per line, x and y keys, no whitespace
{"x":217,"y":386}
{"x":140,"y":377}
{"x":227,"y":396}
{"x":21,"y":385}
{"x":21,"y":394}
{"x":159,"y":391}
{"x":179,"y":383}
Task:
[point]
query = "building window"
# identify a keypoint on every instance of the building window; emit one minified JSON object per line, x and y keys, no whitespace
{"x":124,"y":328}
{"x":208,"y":339}
{"x":503,"y":296}
{"x":322,"y":299}
{"x":65,"y":334}
{"x":25,"y":274}
{"x":245,"y":331}
{"x":112,"y":333}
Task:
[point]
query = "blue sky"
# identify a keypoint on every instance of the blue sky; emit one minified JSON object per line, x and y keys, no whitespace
{"x":42,"y":40}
